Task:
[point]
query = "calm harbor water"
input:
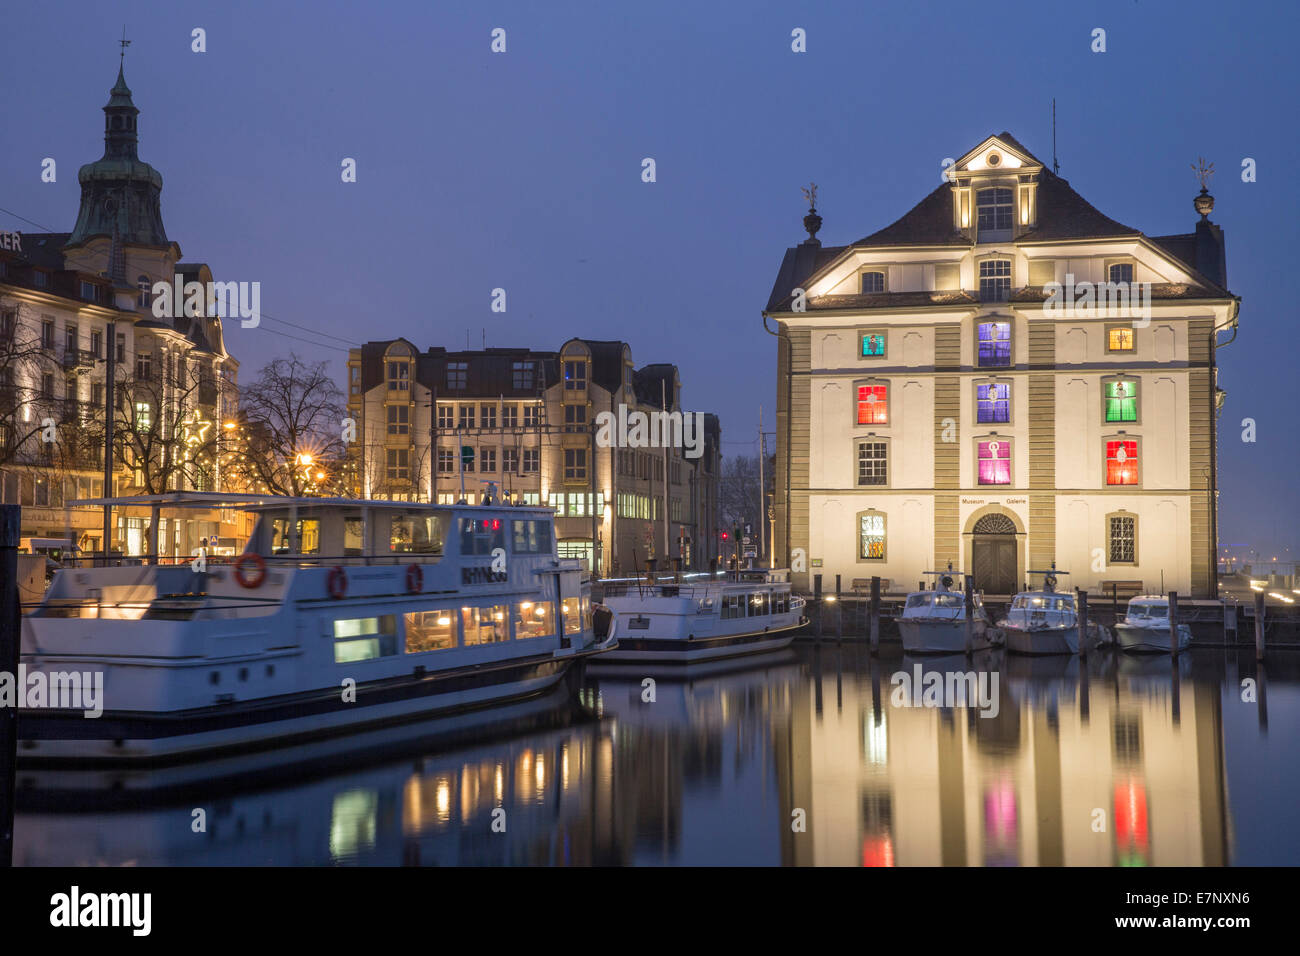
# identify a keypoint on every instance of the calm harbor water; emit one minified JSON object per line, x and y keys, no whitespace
{"x":1116,"y":762}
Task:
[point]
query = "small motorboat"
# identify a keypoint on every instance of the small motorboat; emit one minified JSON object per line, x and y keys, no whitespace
{"x":934,"y":622}
{"x":1047,"y":621}
{"x":1145,"y":628}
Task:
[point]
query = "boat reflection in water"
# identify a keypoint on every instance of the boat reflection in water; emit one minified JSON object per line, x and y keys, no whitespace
{"x":1107,"y":760}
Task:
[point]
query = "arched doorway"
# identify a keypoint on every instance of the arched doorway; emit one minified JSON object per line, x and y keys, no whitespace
{"x":993,"y":559}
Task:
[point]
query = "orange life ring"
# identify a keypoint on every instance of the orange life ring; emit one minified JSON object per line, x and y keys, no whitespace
{"x":337,"y":582}
{"x":250,"y":581}
{"x":414,"y":578}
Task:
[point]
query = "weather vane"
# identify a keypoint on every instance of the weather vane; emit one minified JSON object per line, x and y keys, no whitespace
{"x":810,"y":194}
{"x":1203,"y":172}
{"x":125,"y":43}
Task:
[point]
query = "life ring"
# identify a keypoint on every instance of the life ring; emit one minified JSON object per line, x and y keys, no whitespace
{"x":337,"y":582}
{"x":414,"y":578}
{"x":254,"y":580}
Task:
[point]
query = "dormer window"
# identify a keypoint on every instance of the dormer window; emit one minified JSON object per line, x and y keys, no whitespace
{"x":873,"y":282}
{"x":993,"y":209}
{"x":1121,"y":272}
{"x":146,"y":291}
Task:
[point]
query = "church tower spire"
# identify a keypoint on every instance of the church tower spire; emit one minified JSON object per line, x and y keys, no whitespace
{"x":120,"y":195}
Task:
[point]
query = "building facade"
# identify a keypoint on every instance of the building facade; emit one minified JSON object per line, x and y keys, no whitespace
{"x":72,"y":305}
{"x":1002,"y":379}
{"x":439,"y":425}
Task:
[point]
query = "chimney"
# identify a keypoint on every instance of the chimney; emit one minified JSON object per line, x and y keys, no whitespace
{"x":1211,"y":258}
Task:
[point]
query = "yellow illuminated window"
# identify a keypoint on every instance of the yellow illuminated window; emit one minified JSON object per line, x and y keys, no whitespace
{"x":1120,"y":340}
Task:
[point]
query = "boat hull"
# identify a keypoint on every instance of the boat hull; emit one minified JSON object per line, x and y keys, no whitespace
{"x":1052,"y":640}
{"x":942,"y":637}
{"x":691,"y":649}
{"x":1150,"y":640}
{"x":127,"y":738}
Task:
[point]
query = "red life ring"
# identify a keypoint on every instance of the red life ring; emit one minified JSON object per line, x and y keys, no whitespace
{"x":414,"y":578}
{"x":337,"y":582}
{"x":250,"y":581}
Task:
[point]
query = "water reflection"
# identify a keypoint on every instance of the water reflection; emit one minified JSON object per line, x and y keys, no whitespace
{"x":1113,"y":761}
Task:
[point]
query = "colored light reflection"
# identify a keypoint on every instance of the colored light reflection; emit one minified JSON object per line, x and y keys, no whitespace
{"x":1132,"y":838}
{"x":878,"y":851}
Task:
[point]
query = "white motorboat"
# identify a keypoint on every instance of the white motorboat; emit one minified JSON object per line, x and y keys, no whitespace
{"x":1145,"y":628}
{"x":934,"y":622}
{"x":340,"y":615}
{"x":699,"y":617}
{"x":1046,"y":621}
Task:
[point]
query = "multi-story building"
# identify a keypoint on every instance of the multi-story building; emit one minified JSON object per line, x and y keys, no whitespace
{"x":431,"y":423}
{"x":71,"y":305}
{"x":966,"y":385}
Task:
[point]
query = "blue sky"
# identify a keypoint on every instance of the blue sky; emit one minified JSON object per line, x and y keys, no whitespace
{"x":522,"y":171}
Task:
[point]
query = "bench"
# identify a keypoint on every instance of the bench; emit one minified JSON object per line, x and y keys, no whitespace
{"x":1123,"y":590}
{"x":864,"y":584}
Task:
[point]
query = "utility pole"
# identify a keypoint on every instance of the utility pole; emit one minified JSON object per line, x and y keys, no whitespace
{"x":762,"y":490}
{"x":109,"y":408}
{"x":663,"y":404}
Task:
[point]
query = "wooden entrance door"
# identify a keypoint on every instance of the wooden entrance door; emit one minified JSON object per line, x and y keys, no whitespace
{"x":994,"y":555}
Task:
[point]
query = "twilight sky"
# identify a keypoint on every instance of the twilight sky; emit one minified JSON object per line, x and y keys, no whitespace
{"x":523,"y":170}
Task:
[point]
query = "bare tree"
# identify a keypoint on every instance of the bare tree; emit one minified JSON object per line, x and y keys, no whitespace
{"x":293,"y":416}
{"x":741,"y":501}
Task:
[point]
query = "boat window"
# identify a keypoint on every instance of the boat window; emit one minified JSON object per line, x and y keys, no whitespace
{"x":534,"y":619}
{"x":280,"y":536}
{"x":484,"y":625}
{"x":430,"y":630}
{"x":481,"y":535}
{"x":416,"y":534}
{"x":309,"y":536}
{"x":353,"y":543}
{"x":949,"y":600}
{"x":780,"y":601}
{"x":758,"y":604}
{"x":365,"y":638}
{"x":571,"y":608}
{"x":918,"y":600}
{"x":733,"y":605}
{"x":531,"y":536}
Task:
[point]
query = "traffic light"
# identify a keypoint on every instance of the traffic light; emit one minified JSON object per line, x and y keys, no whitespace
{"x":467,"y":455}
{"x":724,"y":536}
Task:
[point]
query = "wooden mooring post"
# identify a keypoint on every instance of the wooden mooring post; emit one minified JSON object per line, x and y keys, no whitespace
{"x":875,"y":614}
{"x":817,"y":596}
{"x":1173,"y":623}
{"x":11,"y":622}
{"x":1259,"y":625}
{"x":1081,"y":596}
{"x":970,"y":615}
{"x":839,"y":610}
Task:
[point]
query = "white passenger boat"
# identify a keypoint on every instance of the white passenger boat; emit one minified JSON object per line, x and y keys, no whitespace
{"x":934,"y":622}
{"x":1046,"y":621}
{"x":1145,"y":628}
{"x":698,"y":617}
{"x":340,"y":615}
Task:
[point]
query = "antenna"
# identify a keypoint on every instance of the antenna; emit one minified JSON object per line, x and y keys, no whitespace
{"x":485,"y":340}
{"x":1056,"y":167}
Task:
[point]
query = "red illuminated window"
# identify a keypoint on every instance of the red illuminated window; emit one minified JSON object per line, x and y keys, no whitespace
{"x":1121,"y":462}
{"x":873,"y":405}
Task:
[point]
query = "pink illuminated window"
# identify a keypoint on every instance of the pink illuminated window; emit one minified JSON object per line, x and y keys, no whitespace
{"x":995,"y":462}
{"x":1121,"y":463}
{"x":873,"y":408}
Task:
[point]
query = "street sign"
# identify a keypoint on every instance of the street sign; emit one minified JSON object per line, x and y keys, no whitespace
{"x":751,"y":553}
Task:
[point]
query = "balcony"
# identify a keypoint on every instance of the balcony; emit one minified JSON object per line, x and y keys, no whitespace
{"x":80,"y":361}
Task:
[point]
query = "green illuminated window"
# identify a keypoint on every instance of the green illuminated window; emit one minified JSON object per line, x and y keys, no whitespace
{"x":1121,"y":401}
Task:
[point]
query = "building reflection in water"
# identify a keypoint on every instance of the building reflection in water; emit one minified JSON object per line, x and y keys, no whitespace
{"x":1130,"y":773}
{"x":1136,"y":779}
